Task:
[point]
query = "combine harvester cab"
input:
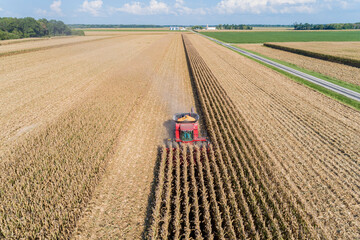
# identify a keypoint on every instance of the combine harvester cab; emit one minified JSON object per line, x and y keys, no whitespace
{"x":187,"y":129}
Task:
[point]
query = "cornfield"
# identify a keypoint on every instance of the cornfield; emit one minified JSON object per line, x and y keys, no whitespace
{"x":46,"y":180}
{"x":229,"y":190}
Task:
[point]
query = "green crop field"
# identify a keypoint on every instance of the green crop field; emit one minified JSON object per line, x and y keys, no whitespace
{"x":261,"y":37}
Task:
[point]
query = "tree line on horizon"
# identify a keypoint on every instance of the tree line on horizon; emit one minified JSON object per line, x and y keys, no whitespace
{"x":330,"y":26}
{"x":116,"y":26}
{"x":226,"y":27}
{"x":14,"y":28}
{"x":233,"y":27}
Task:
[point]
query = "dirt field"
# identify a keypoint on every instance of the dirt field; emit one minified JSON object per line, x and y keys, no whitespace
{"x":341,"y":49}
{"x":313,"y":141}
{"x":335,"y":70}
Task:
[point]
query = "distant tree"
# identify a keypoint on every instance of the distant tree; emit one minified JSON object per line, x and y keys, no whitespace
{"x":233,"y":27}
{"x":29,"y":27}
{"x":332,"y":26}
{"x":197,"y":27}
{"x":44,"y":26}
{"x":116,"y":26}
{"x":7,"y":35}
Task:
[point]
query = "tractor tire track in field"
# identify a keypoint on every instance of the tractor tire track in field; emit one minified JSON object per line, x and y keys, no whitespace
{"x":228,"y":191}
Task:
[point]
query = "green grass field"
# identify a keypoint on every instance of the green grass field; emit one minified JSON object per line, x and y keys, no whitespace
{"x":291,"y":36}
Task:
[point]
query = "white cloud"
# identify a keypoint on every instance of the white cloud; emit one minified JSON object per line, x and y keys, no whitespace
{"x":56,"y":7}
{"x":92,"y":7}
{"x":42,"y":12}
{"x":137,"y":8}
{"x":261,"y":6}
{"x":344,"y":4}
{"x":157,"y":7}
{"x":1,"y":9}
{"x":297,"y":9}
{"x":180,"y":8}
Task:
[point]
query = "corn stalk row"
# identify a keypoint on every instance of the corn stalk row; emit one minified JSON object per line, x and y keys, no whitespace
{"x":228,"y":190}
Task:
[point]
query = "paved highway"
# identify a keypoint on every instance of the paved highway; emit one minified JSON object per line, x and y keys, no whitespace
{"x":331,"y":86}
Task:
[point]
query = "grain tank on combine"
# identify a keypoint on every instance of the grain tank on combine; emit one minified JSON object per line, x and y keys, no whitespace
{"x":187,"y":128}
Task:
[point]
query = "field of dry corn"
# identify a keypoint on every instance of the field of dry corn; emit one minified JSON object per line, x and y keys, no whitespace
{"x":311,"y":140}
{"x":66,"y":112}
{"x":83,"y":119}
{"x":229,"y":190}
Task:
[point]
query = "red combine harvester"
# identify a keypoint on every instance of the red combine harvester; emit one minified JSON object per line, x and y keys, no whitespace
{"x":187,"y":129}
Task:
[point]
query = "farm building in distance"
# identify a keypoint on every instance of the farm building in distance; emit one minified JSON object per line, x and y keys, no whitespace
{"x":210,"y":28}
{"x":177,"y":28}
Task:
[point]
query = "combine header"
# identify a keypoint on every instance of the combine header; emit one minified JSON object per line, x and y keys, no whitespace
{"x":187,"y":129}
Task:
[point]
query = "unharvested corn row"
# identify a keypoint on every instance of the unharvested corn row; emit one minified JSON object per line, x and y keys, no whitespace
{"x":229,"y":190}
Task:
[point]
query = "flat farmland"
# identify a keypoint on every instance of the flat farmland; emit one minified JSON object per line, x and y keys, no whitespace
{"x":349,"y":50}
{"x":284,"y":36}
{"x":34,"y":45}
{"x":31,"y":94}
{"x":312,"y":141}
{"x":66,"y":112}
{"x":228,"y":190}
{"x":336,"y":70}
{"x":104,"y":32}
{"x":119,"y":207}
{"x":14,"y":41}
{"x":84,"y":150}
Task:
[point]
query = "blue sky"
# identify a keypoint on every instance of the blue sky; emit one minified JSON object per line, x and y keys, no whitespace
{"x":186,"y":12}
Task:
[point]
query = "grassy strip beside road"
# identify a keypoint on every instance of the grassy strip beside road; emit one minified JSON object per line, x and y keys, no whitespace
{"x":341,"y":83}
{"x":348,"y":101}
{"x":284,"y":36}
